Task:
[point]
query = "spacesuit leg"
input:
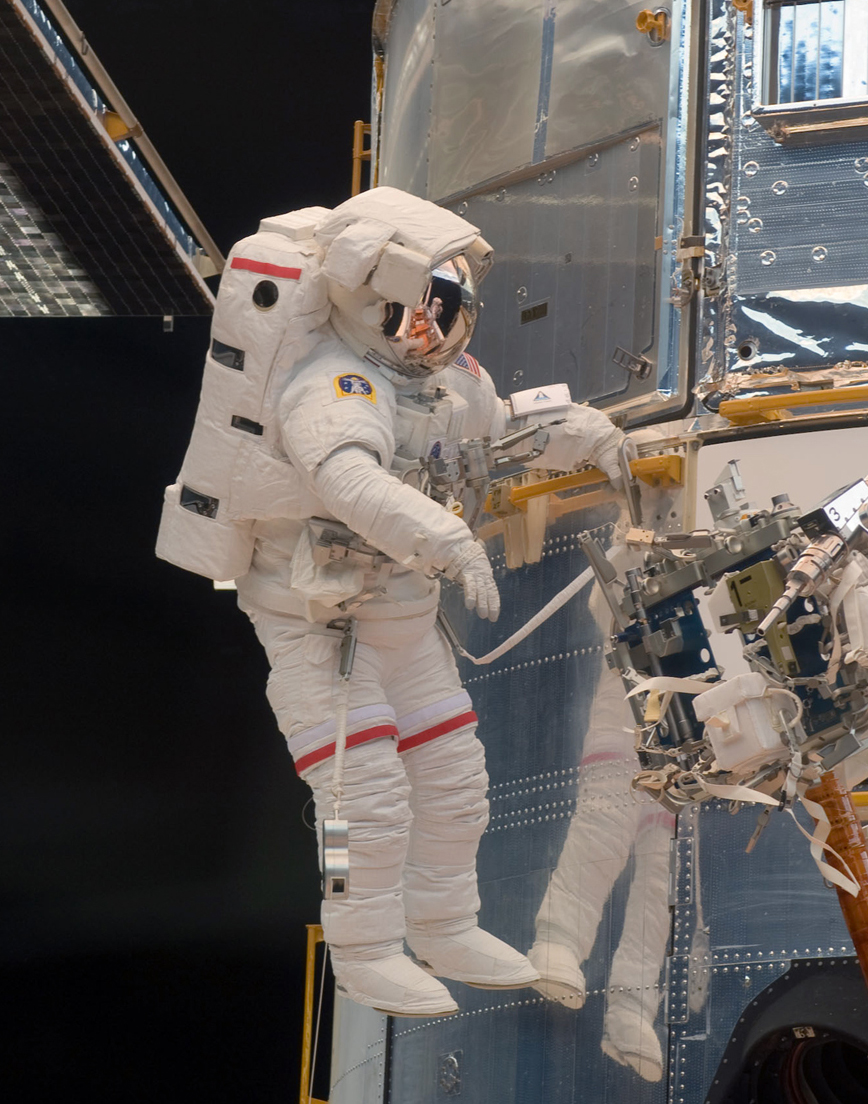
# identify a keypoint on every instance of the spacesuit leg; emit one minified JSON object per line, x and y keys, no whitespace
{"x":365,"y":931}
{"x":634,"y":990}
{"x":595,"y":852}
{"x":445,"y":764}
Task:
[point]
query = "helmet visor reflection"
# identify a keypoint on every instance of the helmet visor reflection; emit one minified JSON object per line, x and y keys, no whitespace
{"x":429,"y":336}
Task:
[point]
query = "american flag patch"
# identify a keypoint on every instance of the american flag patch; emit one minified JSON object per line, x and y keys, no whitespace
{"x":469,"y":364}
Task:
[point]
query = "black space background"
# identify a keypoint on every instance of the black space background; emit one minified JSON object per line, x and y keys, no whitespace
{"x":156,"y":872}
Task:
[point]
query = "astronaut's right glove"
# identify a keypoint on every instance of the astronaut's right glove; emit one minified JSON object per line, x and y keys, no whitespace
{"x":472,"y":571}
{"x":584,"y":435}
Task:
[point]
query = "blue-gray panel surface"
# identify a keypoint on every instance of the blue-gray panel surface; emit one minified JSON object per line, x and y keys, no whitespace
{"x":549,"y":798}
{"x":753,"y":915}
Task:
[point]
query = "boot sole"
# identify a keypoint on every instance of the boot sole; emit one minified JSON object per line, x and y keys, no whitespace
{"x":359,"y":999}
{"x":495,"y":985}
{"x":483,"y":983}
{"x":413,"y":1015}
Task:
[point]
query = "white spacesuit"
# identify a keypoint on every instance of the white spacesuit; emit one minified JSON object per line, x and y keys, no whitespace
{"x":320,"y":514}
{"x":609,"y":826}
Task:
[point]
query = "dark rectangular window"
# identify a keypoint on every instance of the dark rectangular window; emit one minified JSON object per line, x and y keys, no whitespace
{"x":228,"y":356}
{"x":247,"y":424}
{"x":533,"y":314}
{"x":198,"y":503}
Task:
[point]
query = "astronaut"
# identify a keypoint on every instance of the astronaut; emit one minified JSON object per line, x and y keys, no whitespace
{"x":613,"y":829}
{"x":608,"y":827}
{"x":321,"y":514}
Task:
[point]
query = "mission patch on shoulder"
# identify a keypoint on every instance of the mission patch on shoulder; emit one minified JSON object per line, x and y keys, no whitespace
{"x":352,"y":385}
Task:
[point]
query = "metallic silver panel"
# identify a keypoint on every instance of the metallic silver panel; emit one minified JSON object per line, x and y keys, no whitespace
{"x":800,"y":212}
{"x":715,"y":327}
{"x":577,"y":244}
{"x":358,"y":1073}
{"x":606,"y":77}
{"x":484,"y":124}
{"x":787,"y":236}
{"x":406,"y":120}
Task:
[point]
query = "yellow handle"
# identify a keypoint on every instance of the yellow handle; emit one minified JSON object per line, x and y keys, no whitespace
{"x":774,"y":408}
{"x":653,"y":24}
{"x":314,"y":936}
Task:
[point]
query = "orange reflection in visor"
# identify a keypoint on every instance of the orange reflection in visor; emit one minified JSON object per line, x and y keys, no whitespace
{"x":430,"y":335}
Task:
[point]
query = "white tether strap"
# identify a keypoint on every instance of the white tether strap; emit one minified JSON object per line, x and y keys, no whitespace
{"x":552,"y":607}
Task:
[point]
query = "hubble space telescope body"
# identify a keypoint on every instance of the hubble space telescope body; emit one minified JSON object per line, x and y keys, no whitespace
{"x":677,"y":202}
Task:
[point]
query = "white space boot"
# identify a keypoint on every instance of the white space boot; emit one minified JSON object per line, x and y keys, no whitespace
{"x":365,"y":931}
{"x":561,"y":977}
{"x":462,"y":951}
{"x":629,"y":1038}
{"x":628,"y":1028}
{"x":392,"y":984}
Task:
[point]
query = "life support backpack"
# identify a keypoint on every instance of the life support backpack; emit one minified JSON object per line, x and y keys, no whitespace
{"x":273,"y":297}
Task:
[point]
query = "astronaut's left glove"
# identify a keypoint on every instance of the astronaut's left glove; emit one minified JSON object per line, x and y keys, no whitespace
{"x":585,"y":435}
{"x":472,"y":571}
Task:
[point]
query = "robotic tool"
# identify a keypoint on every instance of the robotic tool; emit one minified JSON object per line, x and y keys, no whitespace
{"x":338,"y":468}
{"x":795,"y":726}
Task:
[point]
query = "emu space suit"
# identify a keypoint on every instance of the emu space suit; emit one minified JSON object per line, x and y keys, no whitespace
{"x":346,"y":413}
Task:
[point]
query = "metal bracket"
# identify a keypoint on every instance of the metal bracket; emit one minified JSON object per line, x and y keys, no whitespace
{"x":664,"y":470}
{"x":677,"y":978}
{"x":690,"y":246}
{"x":712,"y":281}
{"x":639,"y":366}
{"x":336,"y":859}
{"x":449,"y":1073}
{"x":684,"y":290}
{"x":681,"y":870}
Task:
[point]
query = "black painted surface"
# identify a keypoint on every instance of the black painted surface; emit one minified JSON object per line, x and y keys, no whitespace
{"x":156,"y":871}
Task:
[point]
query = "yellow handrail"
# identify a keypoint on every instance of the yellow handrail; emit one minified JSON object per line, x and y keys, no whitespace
{"x":314,"y":936}
{"x":773,"y":408}
{"x":360,"y":154}
{"x":520,"y":495}
{"x":663,"y":470}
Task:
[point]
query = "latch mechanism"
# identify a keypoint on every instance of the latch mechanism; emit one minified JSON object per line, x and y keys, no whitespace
{"x":656,"y":24}
{"x":638,"y":366}
{"x":745,"y":6}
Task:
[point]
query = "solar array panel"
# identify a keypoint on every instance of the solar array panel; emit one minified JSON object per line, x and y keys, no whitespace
{"x":83,"y":228}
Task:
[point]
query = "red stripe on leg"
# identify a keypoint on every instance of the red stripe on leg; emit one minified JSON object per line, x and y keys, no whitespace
{"x":314,"y":757}
{"x":442,"y":729}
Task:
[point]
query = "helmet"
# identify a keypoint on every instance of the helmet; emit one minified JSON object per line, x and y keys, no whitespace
{"x":403,"y":277}
{"x":429,"y":336}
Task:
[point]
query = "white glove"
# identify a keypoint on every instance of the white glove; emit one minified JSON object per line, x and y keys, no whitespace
{"x":606,"y":457}
{"x":585,"y":435}
{"x":472,"y":571}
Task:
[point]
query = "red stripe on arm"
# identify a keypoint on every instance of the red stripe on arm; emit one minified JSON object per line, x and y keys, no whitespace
{"x":266,"y":269}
